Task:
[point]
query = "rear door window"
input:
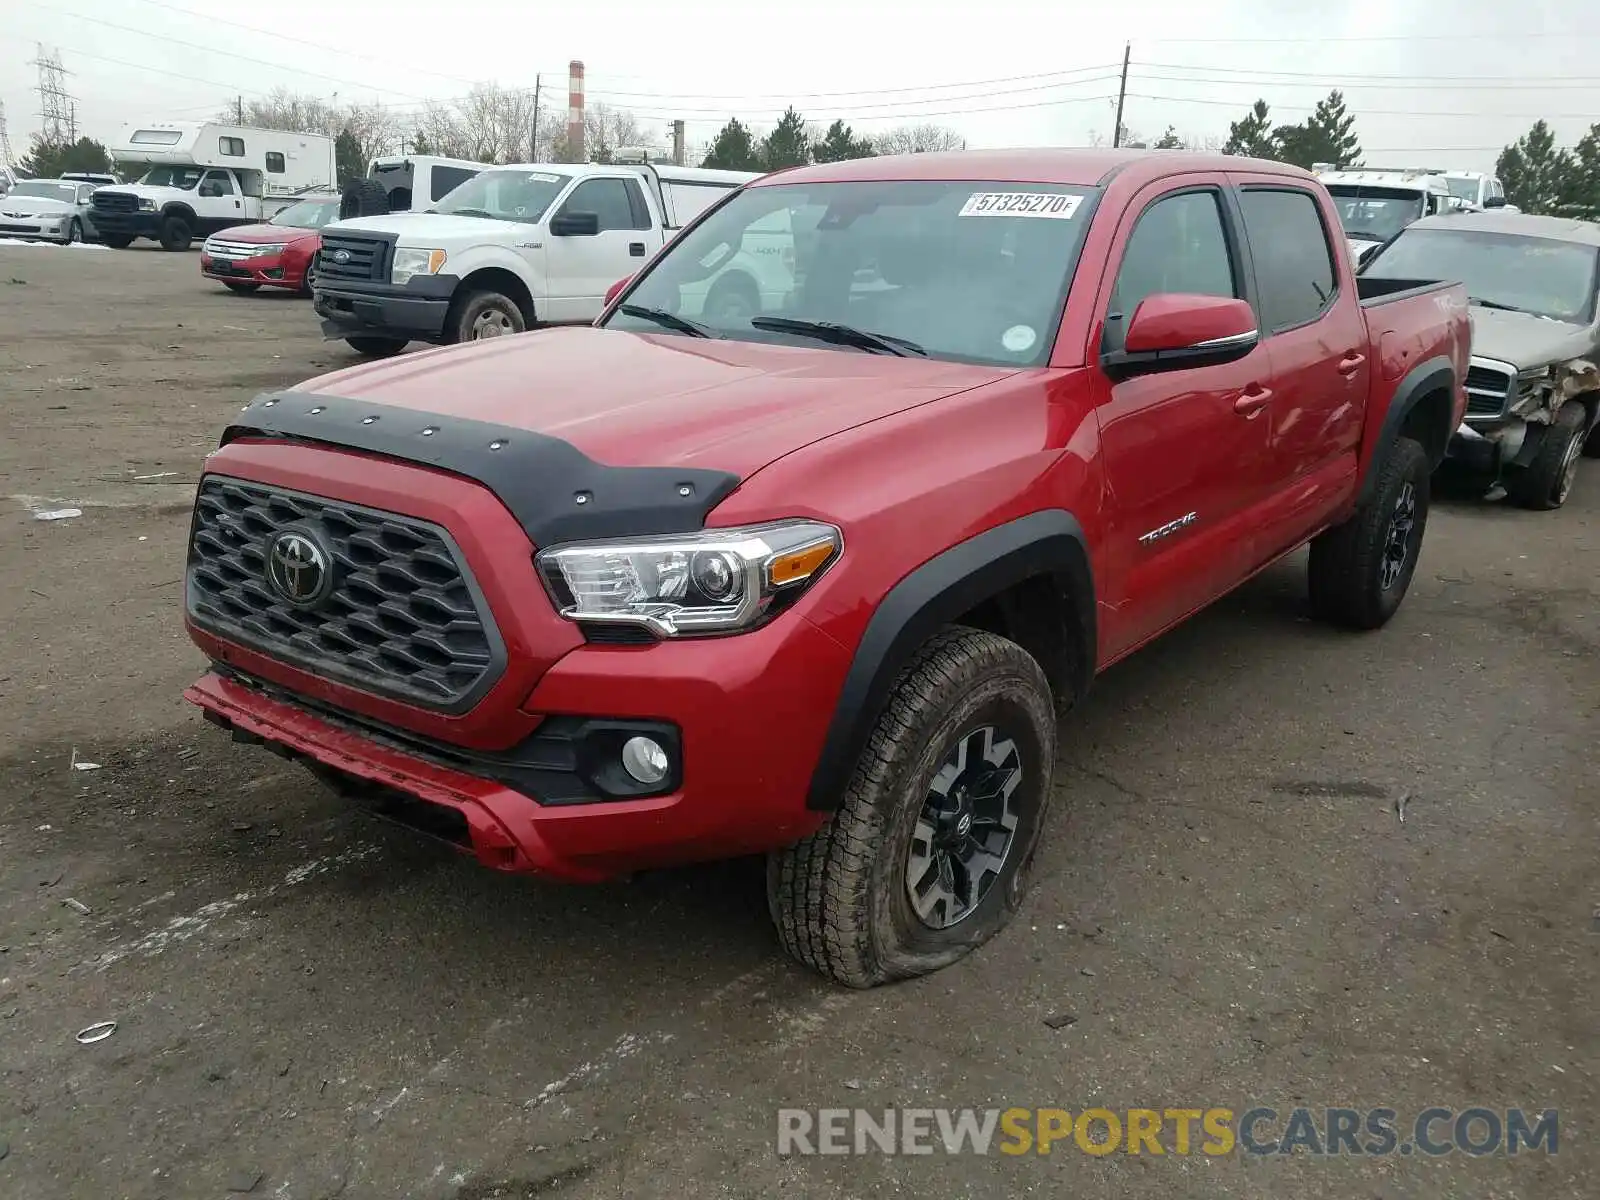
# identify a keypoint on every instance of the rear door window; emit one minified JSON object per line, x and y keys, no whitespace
{"x":1293,"y":257}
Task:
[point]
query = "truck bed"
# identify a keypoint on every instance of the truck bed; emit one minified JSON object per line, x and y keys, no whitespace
{"x":1383,"y":291}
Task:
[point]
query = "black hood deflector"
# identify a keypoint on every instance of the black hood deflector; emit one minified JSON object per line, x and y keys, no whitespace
{"x":556,"y":492}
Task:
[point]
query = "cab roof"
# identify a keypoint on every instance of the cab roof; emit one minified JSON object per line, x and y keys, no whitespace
{"x":1079,"y":168}
{"x":1561,"y":229}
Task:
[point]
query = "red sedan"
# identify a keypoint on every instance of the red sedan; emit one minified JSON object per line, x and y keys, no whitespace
{"x":280,"y":253}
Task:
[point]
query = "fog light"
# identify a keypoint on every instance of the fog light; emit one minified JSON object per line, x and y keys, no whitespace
{"x":645,"y":760}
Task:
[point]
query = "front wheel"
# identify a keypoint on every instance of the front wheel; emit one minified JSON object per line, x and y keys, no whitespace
{"x":74,"y":231}
{"x":1546,"y":482}
{"x":176,"y":234}
{"x":117,"y":241}
{"x":929,"y":852}
{"x":376,"y":347}
{"x":1360,"y":570}
{"x":479,"y":316}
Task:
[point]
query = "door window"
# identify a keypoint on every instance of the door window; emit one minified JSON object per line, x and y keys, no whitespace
{"x":1294,"y":261}
{"x":608,"y":198}
{"x":1179,"y":245}
{"x":216,"y":183}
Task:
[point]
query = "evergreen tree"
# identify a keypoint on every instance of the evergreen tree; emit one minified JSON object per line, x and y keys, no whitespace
{"x":46,"y":160}
{"x":1168,"y":140}
{"x":347,"y":156}
{"x":788,"y":145}
{"x":1580,"y":191}
{"x":1327,"y":136}
{"x":1252,"y":137}
{"x":1536,"y":175}
{"x":733,"y":150}
{"x":839,"y":143}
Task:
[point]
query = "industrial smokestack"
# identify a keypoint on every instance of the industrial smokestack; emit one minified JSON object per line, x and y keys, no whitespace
{"x":575,"y":111}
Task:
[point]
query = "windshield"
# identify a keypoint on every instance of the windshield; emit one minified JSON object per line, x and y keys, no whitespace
{"x":47,"y":189}
{"x":504,"y":195}
{"x":975,"y":272}
{"x":1375,"y":214}
{"x":1538,"y":275}
{"x":183,"y":178}
{"x":1463,"y":189}
{"x":309,"y":214}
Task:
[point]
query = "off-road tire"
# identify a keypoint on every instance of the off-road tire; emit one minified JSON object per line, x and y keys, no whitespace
{"x":363,"y":198}
{"x":376,"y":347}
{"x":839,"y":898}
{"x":1546,"y":482}
{"x":242,"y":288}
{"x":176,"y":235}
{"x":1346,"y":569}
{"x":117,"y":241}
{"x":472,"y":308}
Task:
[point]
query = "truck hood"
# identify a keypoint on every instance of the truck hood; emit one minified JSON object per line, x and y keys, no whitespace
{"x":263,"y":234}
{"x":434,"y":229}
{"x":1527,"y":341}
{"x":629,"y":399}
{"x":34,"y":206}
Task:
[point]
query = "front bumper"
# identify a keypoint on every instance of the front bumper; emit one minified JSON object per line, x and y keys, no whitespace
{"x":127,"y":224}
{"x":750,"y":713}
{"x":49,"y":229}
{"x":415,"y":311}
{"x":277,"y":270}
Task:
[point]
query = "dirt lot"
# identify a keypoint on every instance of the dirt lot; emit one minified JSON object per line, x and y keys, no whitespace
{"x":312,"y":1006}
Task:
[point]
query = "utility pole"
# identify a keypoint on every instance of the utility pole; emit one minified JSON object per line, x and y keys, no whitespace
{"x":7,"y":157}
{"x":238,"y":109}
{"x":60,"y":123}
{"x":1122,"y":94}
{"x":677,"y":143}
{"x":533,"y":138}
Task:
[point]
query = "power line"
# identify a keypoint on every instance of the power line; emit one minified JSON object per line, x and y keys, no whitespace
{"x":1497,"y":36}
{"x":1519,"y":80}
{"x":1336,"y":83}
{"x":1375,"y":112}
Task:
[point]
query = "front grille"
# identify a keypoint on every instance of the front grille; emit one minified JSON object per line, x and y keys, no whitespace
{"x":1488,"y":389}
{"x":34,"y":228}
{"x":114,"y":202}
{"x":403,"y":618}
{"x":226,"y":249}
{"x":365,"y":259}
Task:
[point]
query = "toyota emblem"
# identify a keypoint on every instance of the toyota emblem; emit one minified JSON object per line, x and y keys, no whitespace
{"x":298,"y":569}
{"x":341,"y":256}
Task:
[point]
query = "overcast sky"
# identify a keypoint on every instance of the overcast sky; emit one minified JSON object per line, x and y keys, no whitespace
{"x":1472,"y":74}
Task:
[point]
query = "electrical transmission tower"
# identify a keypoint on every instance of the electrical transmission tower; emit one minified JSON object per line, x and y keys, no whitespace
{"x":57,"y":109}
{"x":8,"y":157}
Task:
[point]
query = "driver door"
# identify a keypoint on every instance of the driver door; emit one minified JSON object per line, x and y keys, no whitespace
{"x":579,"y":269}
{"x":217,"y":202}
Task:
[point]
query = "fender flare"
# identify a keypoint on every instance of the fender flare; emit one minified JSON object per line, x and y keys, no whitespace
{"x":1047,"y":543}
{"x":1431,"y":375}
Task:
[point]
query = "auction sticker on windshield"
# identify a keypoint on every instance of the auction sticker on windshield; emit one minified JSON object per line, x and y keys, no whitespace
{"x":542,"y":177}
{"x":1020,"y":204}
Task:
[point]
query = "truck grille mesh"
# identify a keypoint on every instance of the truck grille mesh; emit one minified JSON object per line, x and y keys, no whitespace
{"x":114,"y":202}
{"x":353,"y":258}
{"x":1488,"y":389}
{"x":402,"y":619}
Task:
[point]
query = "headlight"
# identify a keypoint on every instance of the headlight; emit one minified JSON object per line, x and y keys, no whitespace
{"x":146,"y":205}
{"x":716,"y":581}
{"x":408,"y":262}
{"x":263,"y":251}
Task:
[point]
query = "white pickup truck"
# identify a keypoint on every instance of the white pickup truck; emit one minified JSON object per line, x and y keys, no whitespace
{"x":511,"y":248}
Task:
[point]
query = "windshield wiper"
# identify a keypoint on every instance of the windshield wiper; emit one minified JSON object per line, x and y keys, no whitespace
{"x":842,"y":335}
{"x":1482,"y":303}
{"x":670,"y":320}
{"x":468,"y":212}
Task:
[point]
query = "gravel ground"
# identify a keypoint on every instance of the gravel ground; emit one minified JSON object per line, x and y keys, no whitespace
{"x":1229,"y":909}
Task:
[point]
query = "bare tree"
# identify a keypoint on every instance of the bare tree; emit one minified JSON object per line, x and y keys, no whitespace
{"x":604,"y":130}
{"x":926,"y":138}
{"x":374,"y":127}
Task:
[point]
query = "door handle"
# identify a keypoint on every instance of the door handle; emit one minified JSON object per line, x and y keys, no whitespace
{"x":1253,"y":399}
{"x":636,"y":249}
{"x":1351,"y":362}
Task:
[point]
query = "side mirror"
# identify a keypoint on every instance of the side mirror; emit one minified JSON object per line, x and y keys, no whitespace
{"x":615,"y":289}
{"x":1494,"y":202}
{"x":1173,"y":331}
{"x":575,"y":224}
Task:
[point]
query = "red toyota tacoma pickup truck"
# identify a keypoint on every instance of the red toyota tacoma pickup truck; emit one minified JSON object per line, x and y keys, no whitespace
{"x":816,"y":580}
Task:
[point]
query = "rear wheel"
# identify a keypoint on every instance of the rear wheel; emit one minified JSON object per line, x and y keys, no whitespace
{"x":237,"y":286}
{"x":1546,"y":482}
{"x":929,"y":852}
{"x":176,"y":234}
{"x":117,"y":241}
{"x":478,"y":316}
{"x":1360,"y":571}
{"x":376,"y":347}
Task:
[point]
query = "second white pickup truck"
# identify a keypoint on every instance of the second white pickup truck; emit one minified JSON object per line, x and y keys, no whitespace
{"x":511,"y":248}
